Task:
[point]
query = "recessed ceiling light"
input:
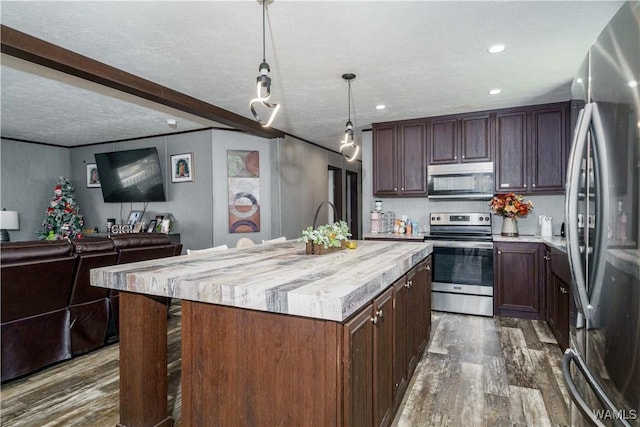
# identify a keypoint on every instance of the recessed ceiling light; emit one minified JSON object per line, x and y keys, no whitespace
{"x":496,"y":48}
{"x":495,"y":91}
{"x":380,"y":107}
{"x":633,"y":83}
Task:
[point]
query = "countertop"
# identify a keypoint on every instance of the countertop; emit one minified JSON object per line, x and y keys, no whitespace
{"x":555,"y":241}
{"x":391,"y":236}
{"x":277,"y":278}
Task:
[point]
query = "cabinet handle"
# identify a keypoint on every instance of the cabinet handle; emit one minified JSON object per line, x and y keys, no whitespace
{"x":374,"y":320}
{"x":547,"y":258}
{"x":563,"y":290}
{"x":407,"y":284}
{"x":499,"y":252}
{"x":379,"y":314}
{"x":402,"y":189}
{"x":428,"y":268}
{"x":455,"y":157}
{"x":463,"y":157}
{"x":533,"y":185}
{"x":504,"y":185}
{"x":395,"y":188}
{"x":525,"y":186}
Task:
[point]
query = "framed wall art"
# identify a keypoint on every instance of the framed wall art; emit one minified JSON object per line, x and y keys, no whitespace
{"x":182,"y":167}
{"x":243,"y":171}
{"x":93,"y":180}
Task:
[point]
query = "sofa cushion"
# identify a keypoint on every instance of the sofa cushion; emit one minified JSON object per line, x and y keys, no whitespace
{"x":12,"y":252}
{"x":135,"y":240}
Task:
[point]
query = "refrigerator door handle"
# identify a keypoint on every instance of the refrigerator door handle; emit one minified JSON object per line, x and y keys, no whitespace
{"x":578,"y":284}
{"x":602,"y":210}
{"x":569,"y":356}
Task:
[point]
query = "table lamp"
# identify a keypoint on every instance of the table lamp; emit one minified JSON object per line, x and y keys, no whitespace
{"x":8,"y":221}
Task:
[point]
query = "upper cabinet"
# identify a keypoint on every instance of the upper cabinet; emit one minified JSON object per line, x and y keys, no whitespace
{"x":528,"y":145}
{"x":399,"y":159}
{"x":460,"y":138}
{"x":531,"y":149}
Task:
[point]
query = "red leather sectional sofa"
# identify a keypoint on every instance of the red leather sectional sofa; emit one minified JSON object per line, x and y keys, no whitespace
{"x":49,"y":310}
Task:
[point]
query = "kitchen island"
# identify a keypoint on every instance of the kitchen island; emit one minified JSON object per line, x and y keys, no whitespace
{"x":271,"y":336}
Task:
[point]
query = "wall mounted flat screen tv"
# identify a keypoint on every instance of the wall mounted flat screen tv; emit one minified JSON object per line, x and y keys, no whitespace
{"x":131,"y":176}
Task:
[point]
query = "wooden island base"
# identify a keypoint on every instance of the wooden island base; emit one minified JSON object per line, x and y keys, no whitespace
{"x":250,"y":368}
{"x":314,"y":341}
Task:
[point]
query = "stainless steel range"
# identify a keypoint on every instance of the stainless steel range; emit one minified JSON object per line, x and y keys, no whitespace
{"x":462,"y":262}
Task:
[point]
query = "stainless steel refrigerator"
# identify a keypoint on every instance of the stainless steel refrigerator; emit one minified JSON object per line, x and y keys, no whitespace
{"x":602,"y":366}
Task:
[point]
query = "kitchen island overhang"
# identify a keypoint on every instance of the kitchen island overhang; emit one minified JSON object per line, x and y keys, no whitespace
{"x":263,"y":330}
{"x":274,"y":278}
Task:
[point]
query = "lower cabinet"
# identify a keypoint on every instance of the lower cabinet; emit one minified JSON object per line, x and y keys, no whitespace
{"x":518,"y":280}
{"x":558,"y":279}
{"x":382,"y":346}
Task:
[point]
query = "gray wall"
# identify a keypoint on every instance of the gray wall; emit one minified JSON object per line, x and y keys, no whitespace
{"x":418,"y":208}
{"x":293,"y":182}
{"x":303,"y":172}
{"x":28,"y":175}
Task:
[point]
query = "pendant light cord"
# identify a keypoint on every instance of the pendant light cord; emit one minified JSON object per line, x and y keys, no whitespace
{"x":264,"y":2}
{"x":349,"y":112}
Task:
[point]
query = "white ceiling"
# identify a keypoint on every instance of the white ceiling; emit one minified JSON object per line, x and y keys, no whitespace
{"x":420,"y":59}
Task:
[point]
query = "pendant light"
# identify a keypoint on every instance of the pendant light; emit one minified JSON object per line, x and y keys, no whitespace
{"x":348,"y":147}
{"x":263,"y":84}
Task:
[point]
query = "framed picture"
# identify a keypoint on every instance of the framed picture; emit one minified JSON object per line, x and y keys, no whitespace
{"x":134,"y":217}
{"x":139,"y":227}
{"x":182,"y":167}
{"x":93,"y":180}
{"x":166,"y":225}
{"x":152,"y":226}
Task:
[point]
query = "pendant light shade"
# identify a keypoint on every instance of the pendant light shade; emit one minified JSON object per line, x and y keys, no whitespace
{"x":263,"y":84}
{"x":348,"y":147}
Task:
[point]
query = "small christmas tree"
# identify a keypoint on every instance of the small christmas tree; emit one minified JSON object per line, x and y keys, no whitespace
{"x":63,"y":220}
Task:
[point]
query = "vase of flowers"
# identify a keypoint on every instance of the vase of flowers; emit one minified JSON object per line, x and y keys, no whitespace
{"x":326,"y":238}
{"x":510,"y":206}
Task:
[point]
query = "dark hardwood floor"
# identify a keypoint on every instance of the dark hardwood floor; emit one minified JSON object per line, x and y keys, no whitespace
{"x":476,"y":371}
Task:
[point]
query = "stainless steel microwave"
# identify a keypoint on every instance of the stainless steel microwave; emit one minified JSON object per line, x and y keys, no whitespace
{"x":461,"y":181}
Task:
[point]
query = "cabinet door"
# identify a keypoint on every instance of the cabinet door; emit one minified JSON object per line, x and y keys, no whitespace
{"x":517,"y":280}
{"x":562,"y":313}
{"x":358,"y":369}
{"x":412,"y":321}
{"x":443,"y":141}
{"x":412,"y":169}
{"x":400,"y":360}
{"x":548,"y":153}
{"x":476,"y":139}
{"x":383,"y":358}
{"x":511,"y":151}
{"x":385,"y":161}
{"x":423,"y":293}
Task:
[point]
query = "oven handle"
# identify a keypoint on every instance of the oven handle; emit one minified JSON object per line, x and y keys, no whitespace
{"x":459,"y":244}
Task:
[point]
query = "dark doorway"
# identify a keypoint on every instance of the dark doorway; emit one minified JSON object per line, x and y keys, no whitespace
{"x":335,"y":192}
{"x":352,"y":205}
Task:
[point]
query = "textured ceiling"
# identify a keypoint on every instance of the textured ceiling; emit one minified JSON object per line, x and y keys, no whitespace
{"x":419,"y":58}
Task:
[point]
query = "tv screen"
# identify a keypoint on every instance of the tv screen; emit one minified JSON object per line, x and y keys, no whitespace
{"x":131,"y":176}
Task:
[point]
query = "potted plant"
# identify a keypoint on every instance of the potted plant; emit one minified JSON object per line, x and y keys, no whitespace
{"x":510,"y":206}
{"x":326,"y":238}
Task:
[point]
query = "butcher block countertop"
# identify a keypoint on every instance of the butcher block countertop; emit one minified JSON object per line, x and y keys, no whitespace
{"x":278,"y":278}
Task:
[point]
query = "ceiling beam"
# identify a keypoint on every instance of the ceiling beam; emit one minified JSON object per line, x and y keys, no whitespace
{"x":32,"y":49}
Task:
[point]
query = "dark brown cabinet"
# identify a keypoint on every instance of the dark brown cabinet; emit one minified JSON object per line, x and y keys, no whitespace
{"x":532,"y":149}
{"x":383,"y":344}
{"x":558,"y":278}
{"x":369,"y":340}
{"x":399,"y":159}
{"x":460,"y":138}
{"x":518,"y":288}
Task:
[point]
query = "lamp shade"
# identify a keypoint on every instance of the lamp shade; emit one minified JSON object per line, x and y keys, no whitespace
{"x":9,"y":220}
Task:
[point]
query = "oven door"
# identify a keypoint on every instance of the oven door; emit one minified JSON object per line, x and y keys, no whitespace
{"x":464,"y":267}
